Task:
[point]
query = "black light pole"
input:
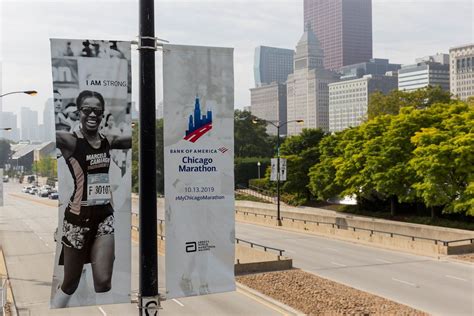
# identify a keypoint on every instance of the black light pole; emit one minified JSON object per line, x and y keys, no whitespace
{"x":148,"y":300}
{"x":277,"y":125}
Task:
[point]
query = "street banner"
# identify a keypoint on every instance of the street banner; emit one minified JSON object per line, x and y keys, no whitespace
{"x":92,"y":103}
{"x":274,"y":173}
{"x":1,"y":187}
{"x":198,"y":89}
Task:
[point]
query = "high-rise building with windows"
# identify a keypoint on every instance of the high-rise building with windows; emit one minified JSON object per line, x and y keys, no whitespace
{"x":344,"y":28}
{"x":307,"y":87}
{"x":272,"y":64}
{"x":8,"y":119}
{"x":269,"y":103}
{"x":462,"y":71}
{"x":29,"y":125}
{"x":375,"y":66}
{"x":426,"y":72}
{"x":349,"y":99}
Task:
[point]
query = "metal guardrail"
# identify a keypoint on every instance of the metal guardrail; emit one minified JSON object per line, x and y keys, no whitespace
{"x":265,"y":248}
{"x":257,"y":192}
{"x":237,"y":240}
{"x":446,"y":243}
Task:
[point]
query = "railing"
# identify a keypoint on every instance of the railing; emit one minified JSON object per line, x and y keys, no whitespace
{"x":446,"y":243}
{"x":265,"y":248}
{"x":257,"y":192}
{"x":237,"y":240}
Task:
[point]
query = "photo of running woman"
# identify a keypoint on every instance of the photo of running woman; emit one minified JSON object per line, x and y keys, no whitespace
{"x":88,"y":225}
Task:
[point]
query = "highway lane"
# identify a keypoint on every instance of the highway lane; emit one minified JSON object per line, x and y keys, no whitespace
{"x":27,"y":224}
{"x":438,"y":287}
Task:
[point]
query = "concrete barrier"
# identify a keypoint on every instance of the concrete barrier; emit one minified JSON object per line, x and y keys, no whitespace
{"x":247,"y":258}
{"x":364,"y":230}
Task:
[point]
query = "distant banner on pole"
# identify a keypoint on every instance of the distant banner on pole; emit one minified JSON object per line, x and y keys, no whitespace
{"x":198,"y":90}
{"x":92,"y":109}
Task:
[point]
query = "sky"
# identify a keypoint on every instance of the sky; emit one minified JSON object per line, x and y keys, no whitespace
{"x":402,"y":31}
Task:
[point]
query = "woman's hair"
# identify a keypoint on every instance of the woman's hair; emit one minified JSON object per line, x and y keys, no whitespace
{"x":107,"y":119}
{"x":89,"y":94}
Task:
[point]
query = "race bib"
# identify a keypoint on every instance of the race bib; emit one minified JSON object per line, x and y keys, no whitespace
{"x":98,"y":189}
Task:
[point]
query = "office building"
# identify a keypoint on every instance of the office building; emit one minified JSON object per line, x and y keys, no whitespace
{"x":423,"y":74}
{"x":269,"y":103}
{"x":375,"y":66}
{"x":272,"y":65}
{"x":307,"y":87}
{"x":349,"y":100}
{"x":8,"y":119}
{"x":439,"y":58}
{"x":344,"y":28}
{"x":29,"y":125}
{"x":462,"y":71}
{"x":47,"y":129}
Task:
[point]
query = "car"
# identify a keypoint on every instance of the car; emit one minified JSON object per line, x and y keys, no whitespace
{"x":33,"y":190}
{"x":43,"y":193}
{"x":5,"y":179}
{"x":53,"y":195}
{"x":26,"y":189}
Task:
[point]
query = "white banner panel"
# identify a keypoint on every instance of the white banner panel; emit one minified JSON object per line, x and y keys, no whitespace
{"x":1,"y":187}
{"x":92,"y":107}
{"x":198,"y":90}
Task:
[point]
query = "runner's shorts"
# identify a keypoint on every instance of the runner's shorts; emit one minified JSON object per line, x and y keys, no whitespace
{"x":80,"y":231}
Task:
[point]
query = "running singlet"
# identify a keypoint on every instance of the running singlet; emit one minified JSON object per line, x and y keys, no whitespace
{"x":89,"y":168}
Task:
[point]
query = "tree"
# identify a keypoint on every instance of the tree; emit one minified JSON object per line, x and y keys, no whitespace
{"x":444,"y":160}
{"x":250,"y":139}
{"x":5,"y":152}
{"x":46,"y":167}
{"x":380,"y":104}
{"x":302,"y":152}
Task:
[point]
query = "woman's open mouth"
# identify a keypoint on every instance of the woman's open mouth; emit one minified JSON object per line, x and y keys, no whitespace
{"x":91,"y":123}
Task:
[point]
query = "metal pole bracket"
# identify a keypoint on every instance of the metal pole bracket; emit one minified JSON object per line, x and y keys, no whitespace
{"x":149,"y":42}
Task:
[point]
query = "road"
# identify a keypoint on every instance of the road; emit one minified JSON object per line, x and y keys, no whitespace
{"x":438,"y":287}
{"x":27,"y":224}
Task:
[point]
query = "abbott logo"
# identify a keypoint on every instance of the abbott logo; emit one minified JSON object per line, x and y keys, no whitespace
{"x":191,"y":246}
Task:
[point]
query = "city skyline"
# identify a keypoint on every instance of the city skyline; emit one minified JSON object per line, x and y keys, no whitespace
{"x":26,"y":64}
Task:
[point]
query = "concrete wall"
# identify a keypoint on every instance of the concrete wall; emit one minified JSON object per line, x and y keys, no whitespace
{"x":417,"y":246}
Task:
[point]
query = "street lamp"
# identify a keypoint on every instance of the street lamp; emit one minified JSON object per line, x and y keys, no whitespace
{"x":277,"y":124}
{"x":29,"y":92}
{"x":258,"y":165}
{"x":5,"y":129}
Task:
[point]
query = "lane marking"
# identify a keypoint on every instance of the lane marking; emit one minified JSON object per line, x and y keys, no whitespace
{"x":404,"y":282}
{"x":332,"y":249}
{"x":384,"y":261}
{"x":178,"y":302}
{"x":102,"y":311}
{"x":263,"y":302}
{"x":456,"y":278}
{"x":338,"y":264}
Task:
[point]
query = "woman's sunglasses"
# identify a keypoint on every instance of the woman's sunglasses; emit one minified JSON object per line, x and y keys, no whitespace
{"x":88,"y":111}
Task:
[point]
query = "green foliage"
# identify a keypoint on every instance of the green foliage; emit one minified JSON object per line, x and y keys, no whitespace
{"x":4,"y":152}
{"x":380,"y":104}
{"x":250,"y":139}
{"x":46,"y":167}
{"x":423,"y":154}
{"x":444,"y":159}
{"x":246,"y":169}
{"x":159,"y":157}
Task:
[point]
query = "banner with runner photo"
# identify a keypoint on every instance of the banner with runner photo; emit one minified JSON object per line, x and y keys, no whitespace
{"x":92,"y":109}
{"x":198,"y":99}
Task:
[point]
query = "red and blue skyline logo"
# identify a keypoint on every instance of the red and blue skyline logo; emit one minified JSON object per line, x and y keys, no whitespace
{"x":198,"y":124}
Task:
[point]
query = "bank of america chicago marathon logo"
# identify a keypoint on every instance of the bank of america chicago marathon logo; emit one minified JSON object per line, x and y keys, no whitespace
{"x":198,"y":124}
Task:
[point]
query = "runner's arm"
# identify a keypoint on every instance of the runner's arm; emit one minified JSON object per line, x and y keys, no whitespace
{"x":66,"y":142}
{"x":120,"y":142}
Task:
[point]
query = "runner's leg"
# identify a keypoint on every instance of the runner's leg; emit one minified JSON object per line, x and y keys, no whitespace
{"x":102,"y":261}
{"x":73,"y":264}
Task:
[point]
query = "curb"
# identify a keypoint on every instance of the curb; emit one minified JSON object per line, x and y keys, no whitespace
{"x":10,"y":297}
{"x":450,"y":259}
{"x":266,"y":300}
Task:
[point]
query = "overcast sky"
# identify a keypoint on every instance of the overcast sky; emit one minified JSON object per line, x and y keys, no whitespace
{"x":402,"y":31}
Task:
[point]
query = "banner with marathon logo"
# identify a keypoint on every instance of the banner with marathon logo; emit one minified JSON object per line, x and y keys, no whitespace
{"x":92,"y":110}
{"x":198,"y":99}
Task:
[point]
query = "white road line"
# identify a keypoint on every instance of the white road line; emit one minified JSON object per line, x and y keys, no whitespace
{"x":384,"y":261}
{"x":456,"y":278}
{"x":102,"y":311}
{"x":338,"y":264}
{"x":178,"y":302}
{"x":332,"y":249}
{"x":404,"y":282}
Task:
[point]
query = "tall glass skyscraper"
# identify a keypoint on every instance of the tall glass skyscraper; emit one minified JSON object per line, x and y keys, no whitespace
{"x":272,"y":65}
{"x":344,"y":28}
